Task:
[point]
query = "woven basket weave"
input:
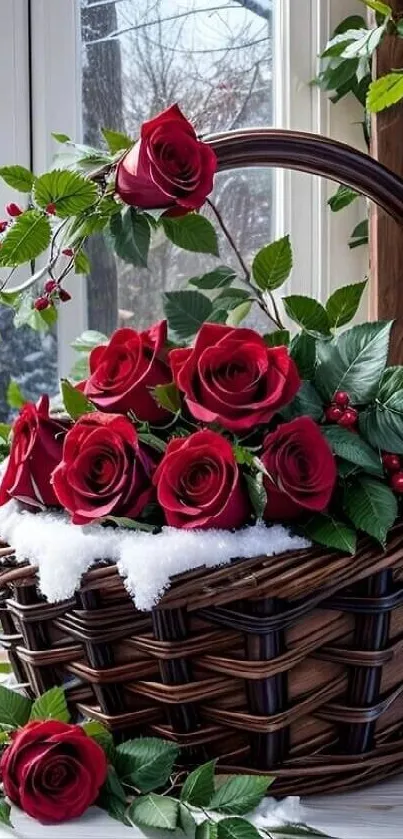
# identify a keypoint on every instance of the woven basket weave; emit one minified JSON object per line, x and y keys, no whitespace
{"x":291,"y":664}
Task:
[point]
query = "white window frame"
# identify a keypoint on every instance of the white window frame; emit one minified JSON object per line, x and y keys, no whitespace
{"x":49,"y":92}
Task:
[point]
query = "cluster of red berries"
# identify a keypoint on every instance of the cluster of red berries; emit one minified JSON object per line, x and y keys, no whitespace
{"x":394,"y":465}
{"x":340,"y":412}
{"x":12,"y":210}
{"x":52,"y":291}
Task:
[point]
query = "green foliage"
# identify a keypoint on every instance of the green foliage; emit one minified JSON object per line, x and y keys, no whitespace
{"x":51,"y":705}
{"x":303,"y":351}
{"x":113,"y":797}
{"x":278,"y":338}
{"x":371,"y":506}
{"x":257,"y":492}
{"x":5,"y":811}
{"x":241,"y":794}
{"x":186,"y":311}
{"x":385,"y":92}
{"x":28,"y":237}
{"x":353,"y":448}
{"x":360,"y":235}
{"x":168,"y":397}
{"x":308,"y":313}
{"x":70,"y":192}
{"x":88,"y":340}
{"x":198,"y":789}
{"x":354,"y":362}
{"x":219,"y":278}
{"x":14,"y":397}
{"x":382,"y":422}
{"x":237,"y":315}
{"x":102,"y":736}
{"x":145,"y":764}
{"x":378,"y":6}
{"x":328,"y":531}
{"x":17,"y":177}
{"x":343,"y":304}
{"x":116,"y":140}
{"x":192,"y":232}
{"x":131,"y":235}
{"x":342,"y":198}
{"x":15,"y":709}
{"x":272,"y":265}
{"x":81,"y":263}
{"x":236,"y":828}
{"x":75,"y":402}
{"x":307,"y":402}
{"x":157,"y":811}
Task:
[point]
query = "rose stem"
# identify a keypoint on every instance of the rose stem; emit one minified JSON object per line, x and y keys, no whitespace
{"x":274,"y":318}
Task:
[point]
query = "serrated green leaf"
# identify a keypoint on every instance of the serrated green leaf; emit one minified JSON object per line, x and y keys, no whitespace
{"x":308,"y":313}
{"x":303,"y":351}
{"x":290,"y":831}
{"x":186,"y":311}
{"x":382,"y":423}
{"x":365,"y":44}
{"x":236,"y":828}
{"x":168,"y":397}
{"x":192,"y":232}
{"x":353,"y":362}
{"x":75,"y":402}
{"x":278,"y":338}
{"x":198,"y":788}
{"x":60,"y":138}
{"x":15,"y":708}
{"x":378,"y":6}
{"x":70,"y":192}
{"x":129,"y":524}
{"x":360,"y":235}
{"x":257,"y":493}
{"x":18,"y":177}
{"x":5,"y":811}
{"x":371,"y":506}
{"x":157,"y":811}
{"x":146,"y":763}
{"x":14,"y":397}
{"x":240,"y":794}
{"x":237,"y":315}
{"x":82,"y":264}
{"x":113,"y":797}
{"x":102,"y":736}
{"x":331,"y":533}
{"x":131,"y":234}
{"x":152,"y":440}
{"x":341,"y":76}
{"x":219,"y":278}
{"x":51,"y":705}
{"x":343,"y":304}
{"x":206,"y":830}
{"x":230,"y":298}
{"x":28,"y":237}
{"x":187,"y":822}
{"x":385,"y":92}
{"x":117,"y":140}
{"x":342,"y":198}
{"x":272,"y":265}
{"x":353,"y":448}
{"x":307,"y":402}
{"x":89,"y":339}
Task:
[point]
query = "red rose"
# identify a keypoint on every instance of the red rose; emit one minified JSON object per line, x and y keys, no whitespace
{"x":199,"y":485}
{"x":53,"y":771}
{"x":232,"y":377}
{"x":123,"y":372}
{"x":168,"y":166}
{"x":302,"y":469}
{"x":35,"y":451}
{"x":104,"y":470}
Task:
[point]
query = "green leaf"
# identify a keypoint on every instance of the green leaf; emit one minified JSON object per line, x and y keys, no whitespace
{"x":168,"y":397}
{"x":130,"y":524}
{"x":198,"y":788}
{"x":308,"y":313}
{"x":5,"y":430}
{"x":206,"y":830}
{"x":350,"y":22}
{"x":342,"y":198}
{"x":307,"y":402}
{"x":272,"y":265}
{"x":5,"y":811}
{"x":88,"y":340}
{"x":343,"y":304}
{"x":113,"y":797}
{"x":236,"y":316}
{"x":10,"y":298}
{"x":102,"y":736}
{"x":360,"y":235}
{"x":28,"y":237}
{"x":257,"y":493}
{"x":219,"y":278}
{"x":27,"y":315}
{"x":378,"y":6}
{"x":192,"y":233}
{"x":303,"y":351}
{"x":186,"y":311}
{"x":290,"y":831}
{"x":230,"y":298}
{"x":339,"y":76}
{"x":80,"y":369}
{"x":154,"y":811}
{"x":14,"y":397}
{"x":385,"y":92}
{"x":235,"y":828}
{"x":15,"y":709}
{"x":75,"y":402}
{"x":70,"y":192}
{"x":382,"y":423}
{"x":81,"y":263}
{"x":241,"y":794}
{"x":146,"y":763}
{"x":353,"y":448}
{"x":332,"y":533}
{"x":353,"y":361}
{"x":152,"y":440}
{"x":278,"y":338}
{"x":60,"y":138}
{"x":116,"y":140}
{"x":371,"y":506}
{"x":399,"y":27}
{"x":51,"y":705}
{"x":17,"y":177}
{"x":187,"y":822}
{"x":131,"y":234}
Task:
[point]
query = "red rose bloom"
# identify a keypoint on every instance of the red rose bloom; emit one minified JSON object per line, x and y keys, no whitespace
{"x":199,"y":485}
{"x":231,"y":377}
{"x":36,"y":450}
{"x":53,"y":771}
{"x":123,"y":372}
{"x":104,"y":470}
{"x":168,"y":166}
{"x":302,"y":469}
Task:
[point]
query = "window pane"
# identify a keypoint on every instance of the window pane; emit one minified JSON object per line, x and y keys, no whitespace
{"x":213,"y":57}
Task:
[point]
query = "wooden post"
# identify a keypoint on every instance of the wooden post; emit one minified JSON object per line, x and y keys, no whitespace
{"x":386,"y":234}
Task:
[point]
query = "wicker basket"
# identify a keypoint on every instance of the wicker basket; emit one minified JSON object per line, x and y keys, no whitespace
{"x":291,"y":664}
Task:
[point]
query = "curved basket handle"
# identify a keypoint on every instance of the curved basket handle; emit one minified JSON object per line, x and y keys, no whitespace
{"x":311,"y":153}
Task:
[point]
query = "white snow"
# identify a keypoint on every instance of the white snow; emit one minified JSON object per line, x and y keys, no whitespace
{"x":63,"y":551}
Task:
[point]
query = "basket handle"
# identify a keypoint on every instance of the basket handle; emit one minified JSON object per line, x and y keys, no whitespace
{"x":311,"y":153}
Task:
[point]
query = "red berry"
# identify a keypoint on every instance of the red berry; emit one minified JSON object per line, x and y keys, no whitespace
{"x":341,"y":398}
{"x":333,"y":413}
{"x":3,"y":226}
{"x":68,"y":252}
{"x":13,"y":210}
{"x":51,"y":209}
{"x":41,"y":303}
{"x":348,"y":418}
{"x":391,"y":462}
{"x":64,"y":296}
{"x":396,"y":482}
{"x":50,"y":286}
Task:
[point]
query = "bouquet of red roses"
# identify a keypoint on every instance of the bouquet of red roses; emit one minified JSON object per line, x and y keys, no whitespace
{"x":199,"y":421}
